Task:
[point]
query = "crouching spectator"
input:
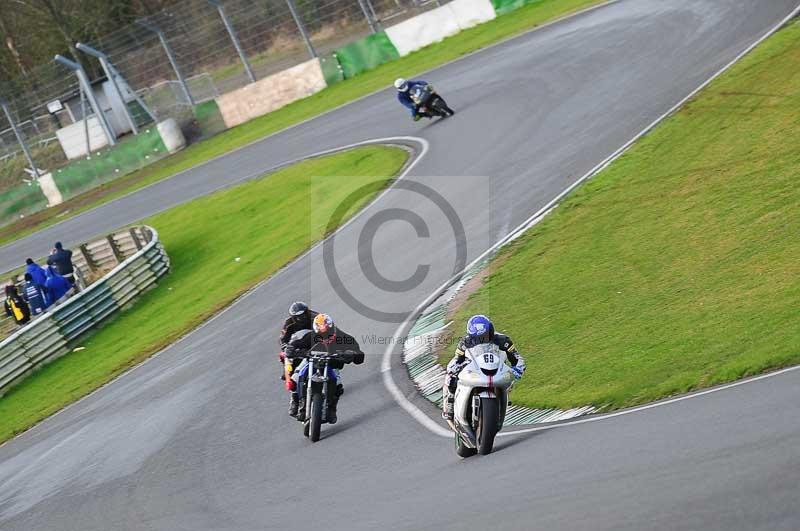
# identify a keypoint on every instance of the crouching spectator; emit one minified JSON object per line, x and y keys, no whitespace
{"x":34,"y":296}
{"x":16,"y":307}
{"x":56,"y":286}
{"x":61,"y":260}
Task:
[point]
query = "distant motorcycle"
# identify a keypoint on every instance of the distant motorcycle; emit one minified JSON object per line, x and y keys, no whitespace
{"x":317,"y":382}
{"x":481,"y":400}
{"x":428,"y":102}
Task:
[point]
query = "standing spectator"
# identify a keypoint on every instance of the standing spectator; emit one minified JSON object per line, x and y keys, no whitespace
{"x":39,"y":277}
{"x":16,"y":307}
{"x":61,"y":259}
{"x":37,"y":272}
{"x":56,"y":285}
{"x":34,"y":296}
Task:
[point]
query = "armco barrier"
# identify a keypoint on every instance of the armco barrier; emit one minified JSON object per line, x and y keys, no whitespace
{"x":51,"y":334}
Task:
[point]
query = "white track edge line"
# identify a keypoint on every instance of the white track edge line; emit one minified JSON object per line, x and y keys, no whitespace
{"x":417,"y":157}
{"x":438,"y":429}
{"x":534,"y":29}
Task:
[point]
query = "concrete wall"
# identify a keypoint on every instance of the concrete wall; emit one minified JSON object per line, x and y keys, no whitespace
{"x":271,"y":93}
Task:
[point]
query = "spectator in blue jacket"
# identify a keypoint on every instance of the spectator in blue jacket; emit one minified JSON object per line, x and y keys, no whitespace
{"x":56,"y":285}
{"x":34,"y":296}
{"x":38,"y":274}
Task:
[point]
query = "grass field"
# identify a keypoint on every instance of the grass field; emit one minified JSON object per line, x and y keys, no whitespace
{"x":677,"y":267}
{"x":203,"y":239}
{"x":437,"y":54}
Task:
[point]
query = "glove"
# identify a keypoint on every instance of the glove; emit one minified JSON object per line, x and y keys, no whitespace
{"x":288,"y":350}
{"x":358,"y":359}
{"x":417,"y":117}
{"x":518,"y":371}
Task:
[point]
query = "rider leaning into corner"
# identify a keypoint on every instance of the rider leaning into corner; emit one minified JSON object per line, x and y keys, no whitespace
{"x":404,"y":96}
{"x":479,"y":330}
{"x":325,"y":337}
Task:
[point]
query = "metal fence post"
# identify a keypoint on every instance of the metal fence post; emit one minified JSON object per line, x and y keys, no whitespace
{"x":297,"y":20}
{"x":21,"y":140}
{"x":366,"y":7}
{"x":83,"y":79}
{"x":103,"y":58}
{"x":171,"y":57}
{"x":234,"y":39}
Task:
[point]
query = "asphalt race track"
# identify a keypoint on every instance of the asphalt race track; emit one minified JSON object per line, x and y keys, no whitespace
{"x":198,"y":437}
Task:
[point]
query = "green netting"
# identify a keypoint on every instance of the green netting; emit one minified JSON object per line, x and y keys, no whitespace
{"x":504,"y":6}
{"x":209,"y":119}
{"x":129,"y":155}
{"x":20,"y":200}
{"x":331,"y":69}
{"x":365,"y":54}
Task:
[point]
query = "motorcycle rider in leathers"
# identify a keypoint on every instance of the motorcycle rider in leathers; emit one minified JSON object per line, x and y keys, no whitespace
{"x":301,"y":317}
{"x":325,"y":337}
{"x":479,"y":330}
{"x":404,"y":88}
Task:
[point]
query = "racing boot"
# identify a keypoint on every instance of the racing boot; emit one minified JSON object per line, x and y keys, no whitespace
{"x":294,"y":402}
{"x":448,"y":406}
{"x":301,"y":410}
{"x":332,"y":403}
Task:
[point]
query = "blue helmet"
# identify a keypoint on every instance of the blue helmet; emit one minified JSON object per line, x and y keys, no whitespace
{"x":480,"y":329}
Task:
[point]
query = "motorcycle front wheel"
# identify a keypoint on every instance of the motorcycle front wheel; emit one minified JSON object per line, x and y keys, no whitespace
{"x":316,"y":416}
{"x":487,"y":425}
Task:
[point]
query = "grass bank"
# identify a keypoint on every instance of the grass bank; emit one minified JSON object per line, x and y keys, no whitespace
{"x":677,"y":267}
{"x":220,"y":246}
{"x":430,"y":57}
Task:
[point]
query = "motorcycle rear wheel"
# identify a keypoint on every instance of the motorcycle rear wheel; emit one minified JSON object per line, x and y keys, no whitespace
{"x":316,"y":416}
{"x":437,"y":106}
{"x":487,"y":425}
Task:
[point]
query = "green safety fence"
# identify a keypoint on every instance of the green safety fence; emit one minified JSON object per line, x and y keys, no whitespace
{"x":502,"y":7}
{"x":208,"y":119}
{"x":109,"y":163}
{"x":331,"y":70}
{"x":365,"y":54}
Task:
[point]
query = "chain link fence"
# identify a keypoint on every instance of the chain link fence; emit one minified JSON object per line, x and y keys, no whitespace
{"x":185,"y":55}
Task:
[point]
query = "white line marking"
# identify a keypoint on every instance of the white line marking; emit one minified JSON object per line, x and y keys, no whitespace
{"x":438,"y":429}
{"x":303,"y":122}
{"x":425,"y":146}
{"x":651,"y":406}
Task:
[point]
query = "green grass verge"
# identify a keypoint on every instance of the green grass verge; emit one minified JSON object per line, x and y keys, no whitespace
{"x":203,"y":239}
{"x":430,"y":57}
{"x":677,"y":267}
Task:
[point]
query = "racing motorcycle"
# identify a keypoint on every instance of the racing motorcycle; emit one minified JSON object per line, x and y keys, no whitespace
{"x":428,"y":101}
{"x":317,"y":382}
{"x":481,"y":400}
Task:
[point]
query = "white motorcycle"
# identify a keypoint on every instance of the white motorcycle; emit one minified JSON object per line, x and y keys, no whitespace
{"x":481,"y":399}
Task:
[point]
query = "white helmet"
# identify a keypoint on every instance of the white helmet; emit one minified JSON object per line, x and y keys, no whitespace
{"x":401,"y":84}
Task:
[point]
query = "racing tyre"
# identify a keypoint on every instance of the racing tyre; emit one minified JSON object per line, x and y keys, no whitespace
{"x":316,"y":416}
{"x":487,"y":425}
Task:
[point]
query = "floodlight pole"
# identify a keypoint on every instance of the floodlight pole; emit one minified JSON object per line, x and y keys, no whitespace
{"x":234,"y":39}
{"x":87,"y":87}
{"x":103,"y":58}
{"x":4,"y":105}
{"x":297,"y":20}
{"x":170,"y":56}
